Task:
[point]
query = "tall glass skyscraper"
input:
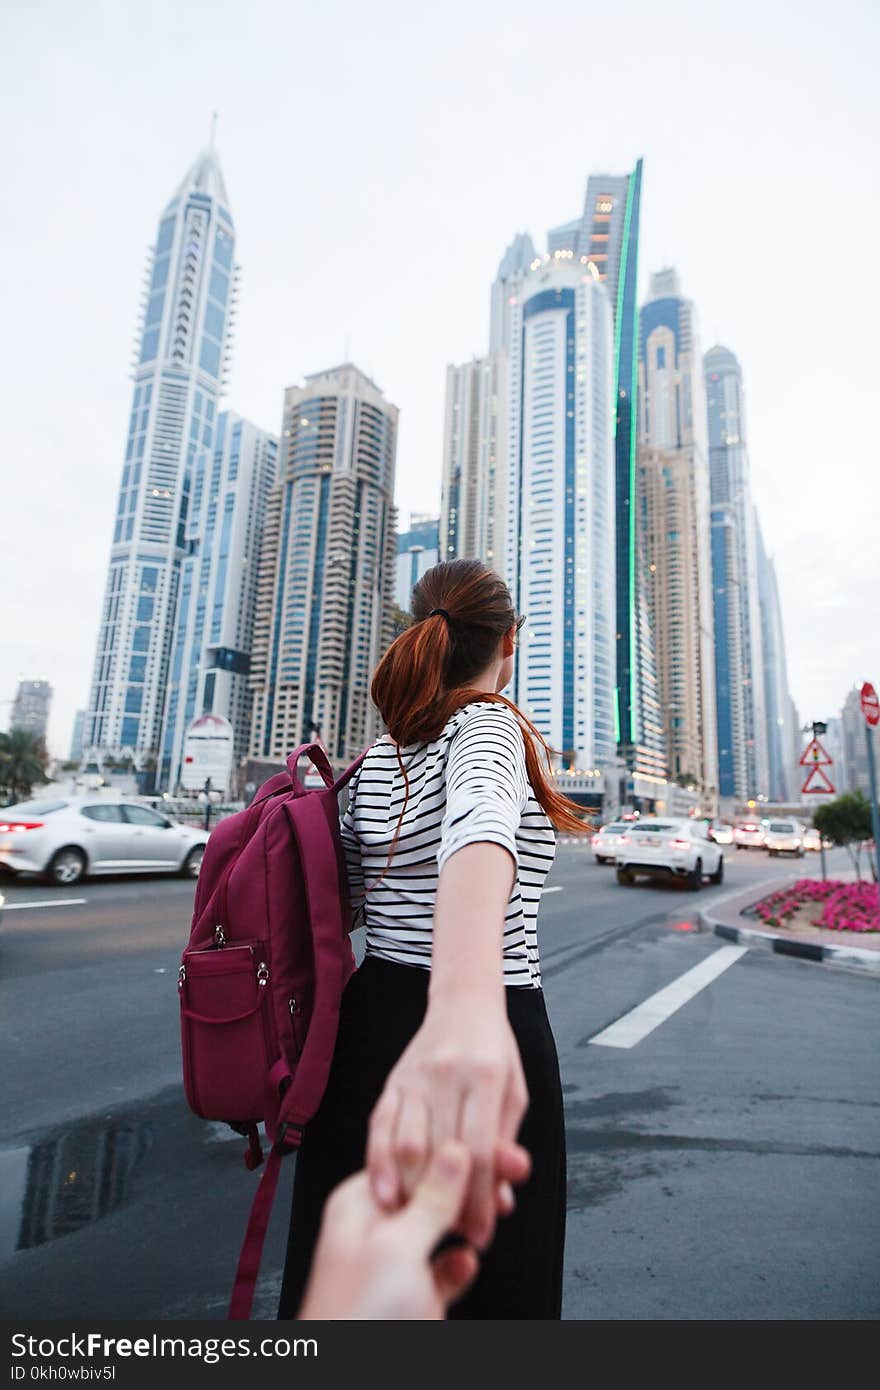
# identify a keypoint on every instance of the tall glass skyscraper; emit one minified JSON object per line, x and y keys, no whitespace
{"x":179,"y":373}
{"x":213,"y":627}
{"x":607,"y":234}
{"x":780,"y":731}
{"x":742,"y":703}
{"x":558,"y":498}
{"x":673,"y":481}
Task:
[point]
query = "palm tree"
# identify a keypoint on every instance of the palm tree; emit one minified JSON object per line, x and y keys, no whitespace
{"x":23,"y":760}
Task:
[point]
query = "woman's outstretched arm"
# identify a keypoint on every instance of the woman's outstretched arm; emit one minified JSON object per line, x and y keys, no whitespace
{"x":461,"y":1076}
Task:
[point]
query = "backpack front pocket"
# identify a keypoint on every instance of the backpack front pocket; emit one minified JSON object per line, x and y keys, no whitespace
{"x":225,"y":1011}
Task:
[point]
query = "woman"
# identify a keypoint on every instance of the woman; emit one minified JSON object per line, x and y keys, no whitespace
{"x":449,"y":835}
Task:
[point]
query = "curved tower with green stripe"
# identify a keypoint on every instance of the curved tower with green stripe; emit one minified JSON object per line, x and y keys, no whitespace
{"x":607,"y":233}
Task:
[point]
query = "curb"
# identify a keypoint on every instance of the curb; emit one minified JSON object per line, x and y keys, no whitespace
{"x":786,"y":946}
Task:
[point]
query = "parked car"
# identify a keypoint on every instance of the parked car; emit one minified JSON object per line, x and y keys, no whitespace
{"x":66,"y":839}
{"x":669,"y":849}
{"x":811,"y":838}
{"x":721,"y":833}
{"x":604,"y":842}
{"x":783,"y":837}
{"x":748,"y":834}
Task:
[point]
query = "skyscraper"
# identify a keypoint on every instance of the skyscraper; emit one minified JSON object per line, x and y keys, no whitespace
{"x":417,"y":551}
{"x":674,"y":497}
{"x":213,"y":626}
{"x":76,"y":739}
{"x":30,"y":708}
{"x":855,"y":744}
{"x":729,"y":691}
{"x":327,"y":568}
{"x":607,"y":234}
{"x":559,"y":492}
{"x":742,"y":713}
{"x":473,"y":481}
{"x":179,"y":373}
{"x":462,"y":486}
{"x":776,"y":704}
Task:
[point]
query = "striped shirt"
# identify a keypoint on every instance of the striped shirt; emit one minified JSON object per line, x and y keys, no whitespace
{"x":467,"y":786}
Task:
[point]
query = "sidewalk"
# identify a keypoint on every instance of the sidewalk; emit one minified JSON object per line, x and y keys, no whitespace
{"x":728,"y":917}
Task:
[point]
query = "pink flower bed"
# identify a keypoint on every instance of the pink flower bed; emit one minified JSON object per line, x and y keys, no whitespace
{"x":845,"y":906}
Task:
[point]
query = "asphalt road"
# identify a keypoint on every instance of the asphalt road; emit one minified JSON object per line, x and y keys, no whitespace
{"x":724,"y":1165}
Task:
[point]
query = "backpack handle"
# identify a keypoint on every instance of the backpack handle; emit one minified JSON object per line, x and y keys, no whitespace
{"x":319,"y":760}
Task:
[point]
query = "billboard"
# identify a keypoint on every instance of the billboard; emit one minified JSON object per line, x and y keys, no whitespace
{"x":207,"y":753}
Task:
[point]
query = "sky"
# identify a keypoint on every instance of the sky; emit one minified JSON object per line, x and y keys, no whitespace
{"x":379,"y":158}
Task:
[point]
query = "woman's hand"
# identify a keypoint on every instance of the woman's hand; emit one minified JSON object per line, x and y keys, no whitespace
{"x":461,"y":1077}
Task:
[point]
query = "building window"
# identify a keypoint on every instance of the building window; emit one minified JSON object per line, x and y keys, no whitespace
{"x":129,"y":734}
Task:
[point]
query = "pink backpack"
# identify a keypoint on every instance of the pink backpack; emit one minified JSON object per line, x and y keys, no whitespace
{"x":262,"y":977}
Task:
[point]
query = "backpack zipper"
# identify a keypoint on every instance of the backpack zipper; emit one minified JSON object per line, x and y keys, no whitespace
{"x":294,"y":1009}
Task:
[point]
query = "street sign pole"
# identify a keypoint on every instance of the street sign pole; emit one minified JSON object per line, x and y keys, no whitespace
{"x":875,"y":815}
{"x":870,"y":703}
{"x":816,"y":758}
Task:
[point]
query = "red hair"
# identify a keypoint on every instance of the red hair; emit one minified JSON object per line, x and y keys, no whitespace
{"x":427,"y":672}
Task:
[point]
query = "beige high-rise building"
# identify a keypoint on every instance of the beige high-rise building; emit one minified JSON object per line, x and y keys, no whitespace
{"x":327,"y":568}
{"x":473,"y":485}
{"x":673,"y":518}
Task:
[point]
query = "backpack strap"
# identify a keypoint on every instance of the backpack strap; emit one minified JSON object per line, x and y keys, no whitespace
{"x":349,"y":772}
{"x":241,"y":1301}
{"x":318,"y":755}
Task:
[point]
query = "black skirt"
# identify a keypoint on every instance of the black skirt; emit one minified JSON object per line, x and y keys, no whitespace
{"x":382,"y":1008}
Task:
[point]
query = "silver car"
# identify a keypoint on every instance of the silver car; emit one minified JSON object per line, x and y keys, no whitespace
{"x":67,"y":838}
{"x":784,"y":837}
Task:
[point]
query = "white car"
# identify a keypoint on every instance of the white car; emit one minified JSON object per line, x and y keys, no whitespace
{"x":67,"y":838}
{"x":811,"y":838}
{"x":604,"y":842}
{"x":784,"y":837}
{"x":721,"y":833}
{"x":748,"y":834}
{"x":669,"y":849}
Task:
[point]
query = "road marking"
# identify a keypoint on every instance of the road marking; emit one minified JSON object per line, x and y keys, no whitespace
{"x":643,"y":1019}
{"x":52,"y":902}
{"x":557,"y":889}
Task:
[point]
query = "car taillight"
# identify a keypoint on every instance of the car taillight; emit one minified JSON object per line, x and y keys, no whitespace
{"x":11,"y":825}
{"x":679,"y":844}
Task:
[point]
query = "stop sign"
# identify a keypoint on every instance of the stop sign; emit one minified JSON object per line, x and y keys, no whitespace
{"x":870,"y":703}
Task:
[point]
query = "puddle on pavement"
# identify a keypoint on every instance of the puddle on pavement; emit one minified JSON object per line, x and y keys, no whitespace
{"x":70,"y":1178}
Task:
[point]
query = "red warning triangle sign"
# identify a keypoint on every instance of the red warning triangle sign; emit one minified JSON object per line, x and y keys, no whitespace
{"x":818,"y":775}
{"x":814,"y":755}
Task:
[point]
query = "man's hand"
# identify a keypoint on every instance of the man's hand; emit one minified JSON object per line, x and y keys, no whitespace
{"x":371,"y":1264}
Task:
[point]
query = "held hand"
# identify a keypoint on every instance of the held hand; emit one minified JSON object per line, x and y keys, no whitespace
{"x":461,"y":1078}
{"x":371,"y":1265}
